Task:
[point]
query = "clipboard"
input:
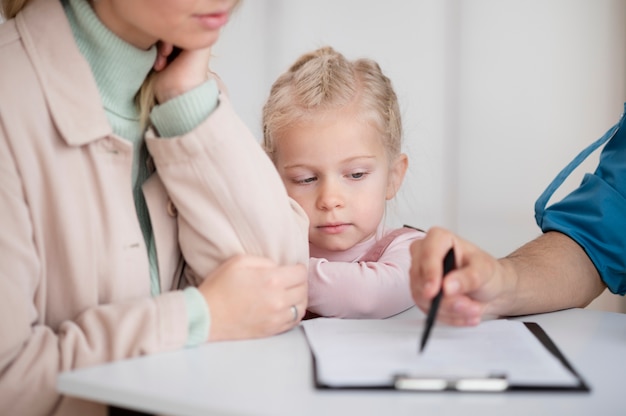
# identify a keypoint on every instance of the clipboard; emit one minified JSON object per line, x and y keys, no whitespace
{"x":486,"y":382}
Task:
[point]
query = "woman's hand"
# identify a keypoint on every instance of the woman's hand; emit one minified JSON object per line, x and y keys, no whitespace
{"x":473,"y":289}
{"x":176,"y":76}
{"x":252,"y":297}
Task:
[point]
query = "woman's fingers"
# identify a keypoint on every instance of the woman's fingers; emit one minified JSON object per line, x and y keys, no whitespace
{"x":251,"y":297}
{"x":187,"y":71}
{"x":163,"y":51}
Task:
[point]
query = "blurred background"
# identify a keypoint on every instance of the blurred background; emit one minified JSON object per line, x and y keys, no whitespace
{"x":497,"y":95}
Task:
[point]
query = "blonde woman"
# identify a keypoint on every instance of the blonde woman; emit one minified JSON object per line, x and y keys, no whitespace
{"x":104,"y":200}
{"x":333,"y":129}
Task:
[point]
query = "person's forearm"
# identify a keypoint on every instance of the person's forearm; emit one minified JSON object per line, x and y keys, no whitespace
{"x":550,"y":273}
{"x":357,"y":290}
{"x":228,"y":195}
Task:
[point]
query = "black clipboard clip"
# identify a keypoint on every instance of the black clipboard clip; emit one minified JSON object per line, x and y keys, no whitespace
{"x":489,"y":383}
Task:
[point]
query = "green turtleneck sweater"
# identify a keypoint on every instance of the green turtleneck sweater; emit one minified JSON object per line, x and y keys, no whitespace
{"x":119,"y":70}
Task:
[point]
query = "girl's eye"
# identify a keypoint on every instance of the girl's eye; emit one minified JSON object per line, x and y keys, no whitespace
{"x":358,"y":175}
{"x":305,"y":181}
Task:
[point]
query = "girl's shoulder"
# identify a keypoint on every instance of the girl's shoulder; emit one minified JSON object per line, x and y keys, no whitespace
{"x":406,"y":232}
{"x":398,"y":236}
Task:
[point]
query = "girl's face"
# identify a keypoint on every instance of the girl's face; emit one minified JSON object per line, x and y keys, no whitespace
{"x":337,"y":169}
{"x":188,"y":24}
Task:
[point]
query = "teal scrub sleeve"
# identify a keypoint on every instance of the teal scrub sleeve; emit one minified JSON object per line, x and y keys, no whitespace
{"x":594,"y":214}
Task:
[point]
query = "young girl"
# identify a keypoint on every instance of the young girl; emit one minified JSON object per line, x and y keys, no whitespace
{"x":332,"y":127}
{"x":90,"y":259}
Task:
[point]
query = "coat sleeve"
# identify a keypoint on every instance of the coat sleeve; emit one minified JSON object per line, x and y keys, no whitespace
{"x":363,"y":289}
{"x":32,"y":352}
{"x":228,"y":195}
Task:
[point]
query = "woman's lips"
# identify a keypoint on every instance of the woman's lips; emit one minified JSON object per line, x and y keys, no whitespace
{"x":213,"y":21}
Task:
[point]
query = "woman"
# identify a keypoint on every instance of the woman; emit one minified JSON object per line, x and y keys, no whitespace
{"x":95,"y":242}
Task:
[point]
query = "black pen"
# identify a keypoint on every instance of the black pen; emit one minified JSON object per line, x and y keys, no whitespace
{"x":448,"y":265}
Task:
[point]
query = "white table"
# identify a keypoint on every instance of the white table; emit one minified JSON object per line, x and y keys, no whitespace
{"x":273,"y":376}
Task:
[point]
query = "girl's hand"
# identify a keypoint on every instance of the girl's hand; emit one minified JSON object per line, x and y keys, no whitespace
{"x":186,"y":71}
{"x":252,"y":297}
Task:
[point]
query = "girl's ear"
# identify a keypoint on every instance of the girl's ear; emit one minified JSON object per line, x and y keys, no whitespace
{"x":397,"y":170}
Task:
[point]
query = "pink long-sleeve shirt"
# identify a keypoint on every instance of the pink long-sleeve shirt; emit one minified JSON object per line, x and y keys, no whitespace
{"x":345,"y":284}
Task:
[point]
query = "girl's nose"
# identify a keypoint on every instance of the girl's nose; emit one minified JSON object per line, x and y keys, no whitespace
{"x":329,"y":196}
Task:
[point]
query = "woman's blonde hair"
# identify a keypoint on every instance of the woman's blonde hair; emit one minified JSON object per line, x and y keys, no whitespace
{"x":146,"y":99}
{"x":12,"y":7}
{"x":324,"y":81}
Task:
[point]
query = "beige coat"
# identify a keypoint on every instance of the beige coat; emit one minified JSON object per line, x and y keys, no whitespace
{"x":74,"y":278}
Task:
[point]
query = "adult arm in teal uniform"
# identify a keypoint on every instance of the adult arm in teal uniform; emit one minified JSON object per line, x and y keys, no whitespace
{"x":581,"y":252}
{"x":594,"y":214}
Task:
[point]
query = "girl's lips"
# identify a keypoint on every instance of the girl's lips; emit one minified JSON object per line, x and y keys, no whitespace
{"x":213,"y":21}
{"x":333,"y":228}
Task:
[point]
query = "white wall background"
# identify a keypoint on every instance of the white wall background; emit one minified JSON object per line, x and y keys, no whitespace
{"x":497,"y":95}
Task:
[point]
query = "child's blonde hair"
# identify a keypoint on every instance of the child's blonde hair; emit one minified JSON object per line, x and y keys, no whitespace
{"x":325,"y":81}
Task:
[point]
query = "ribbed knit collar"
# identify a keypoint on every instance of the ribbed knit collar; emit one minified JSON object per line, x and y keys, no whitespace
{"x":118,"y":67}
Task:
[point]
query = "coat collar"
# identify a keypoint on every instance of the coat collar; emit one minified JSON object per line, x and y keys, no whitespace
{"x":66,"y":79}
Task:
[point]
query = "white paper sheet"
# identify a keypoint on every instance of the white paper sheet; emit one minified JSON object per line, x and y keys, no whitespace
{"x":361,"y":353}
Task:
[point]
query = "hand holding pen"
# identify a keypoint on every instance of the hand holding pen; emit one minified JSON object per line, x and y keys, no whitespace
{"x":475,"y":288}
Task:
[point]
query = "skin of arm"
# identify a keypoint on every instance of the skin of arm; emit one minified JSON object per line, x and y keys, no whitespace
{"x":551,"y":272}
